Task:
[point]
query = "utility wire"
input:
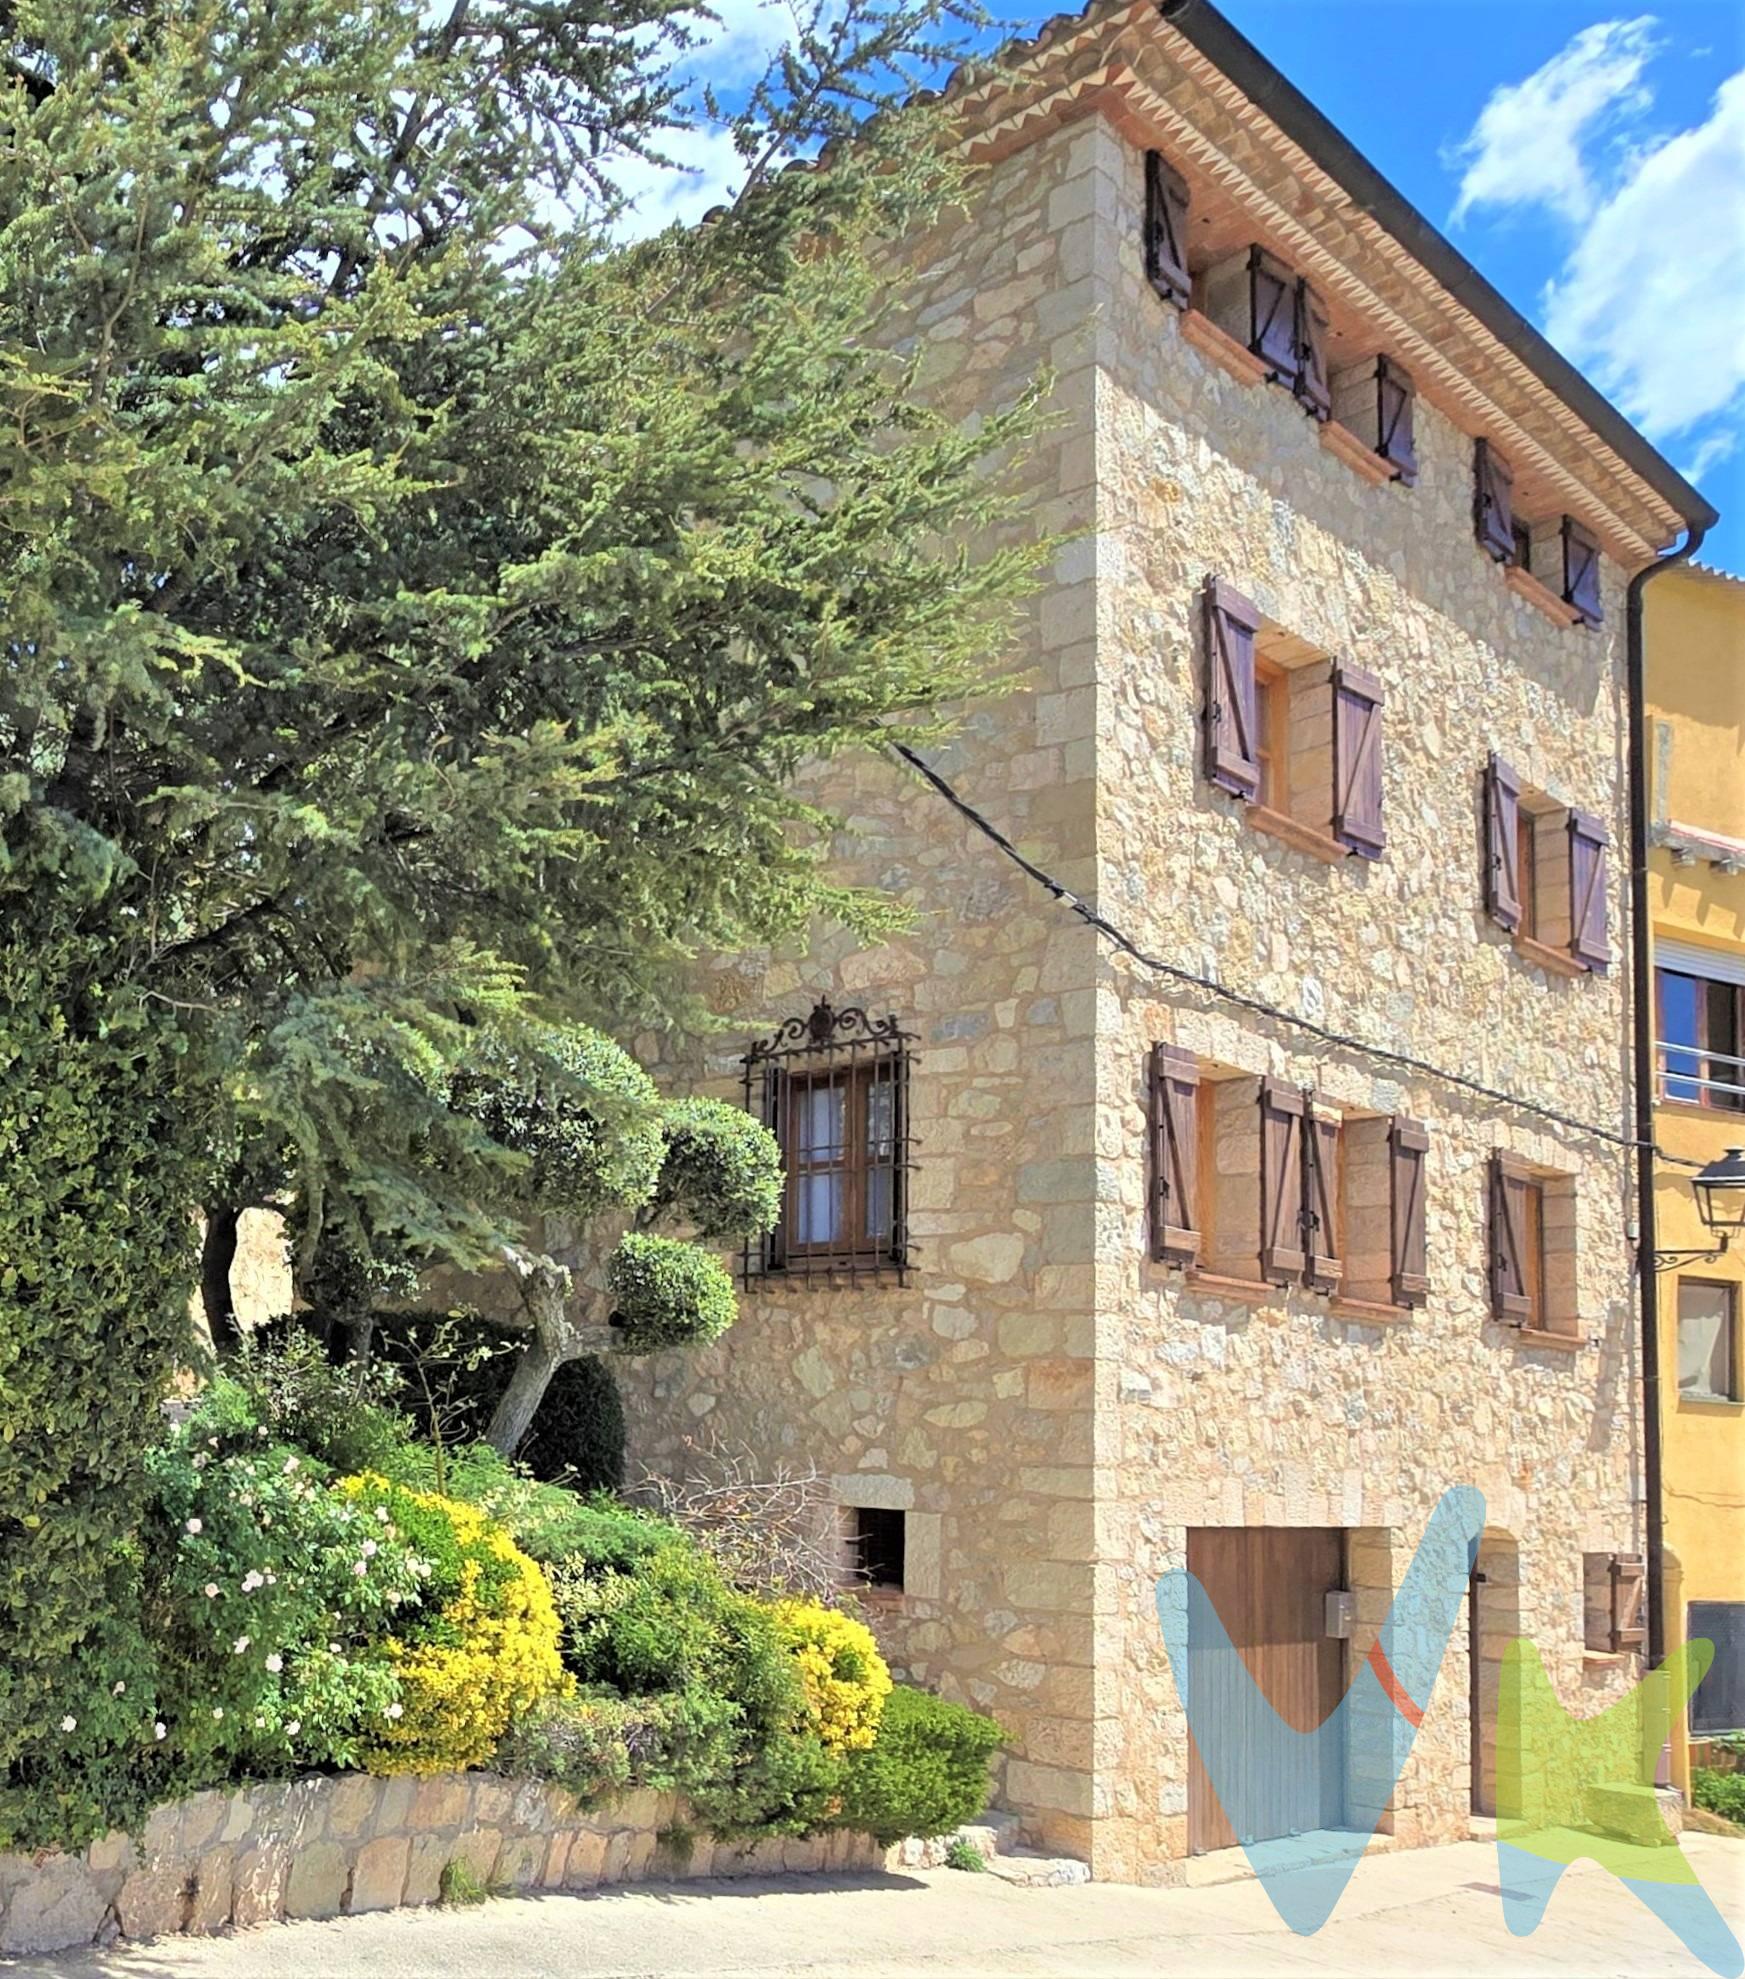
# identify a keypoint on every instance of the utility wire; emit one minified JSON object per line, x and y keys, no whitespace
{"x":1210,"y":984}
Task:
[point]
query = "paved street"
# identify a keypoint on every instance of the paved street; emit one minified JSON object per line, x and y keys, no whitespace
{"x":1429,"y":1912}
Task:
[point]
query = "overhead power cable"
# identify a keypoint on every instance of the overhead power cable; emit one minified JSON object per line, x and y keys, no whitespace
{"x":1257,"y":1005}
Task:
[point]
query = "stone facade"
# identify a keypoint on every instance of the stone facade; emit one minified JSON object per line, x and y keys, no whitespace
{"x":1053,"y":1411}
{"x":336,"y":1846}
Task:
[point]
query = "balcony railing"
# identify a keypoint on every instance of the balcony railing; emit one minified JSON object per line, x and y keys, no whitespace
{"x":1699,"y":1077}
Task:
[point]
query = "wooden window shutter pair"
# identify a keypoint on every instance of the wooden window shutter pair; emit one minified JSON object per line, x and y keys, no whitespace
{"x":1166,"y":230}
{"x":1232,"y":746}
{"x":1588,"y":841}
{"x":1299,"y":1189}
{"x":1408,"y":1149}
{"x":1175,"y":1155}
{"x":1581,"y":572}
{"x":1510,"y":1234}
{"x":1493,"y":502}
{"x":1629,"y":1581}
{"x":1357,"y":820}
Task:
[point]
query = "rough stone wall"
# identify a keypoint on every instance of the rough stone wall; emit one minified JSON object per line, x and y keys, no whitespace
{"x":327,"y":1847}
{"x":964,"y":1397}
{"x":1278,"y":1410}
{"x":1054,"y":1411}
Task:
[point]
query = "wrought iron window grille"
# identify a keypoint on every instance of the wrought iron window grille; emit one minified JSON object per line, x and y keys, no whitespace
{"x":833,"y":1087}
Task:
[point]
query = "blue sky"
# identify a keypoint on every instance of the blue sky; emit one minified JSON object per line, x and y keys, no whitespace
{"x":1589,"y":159}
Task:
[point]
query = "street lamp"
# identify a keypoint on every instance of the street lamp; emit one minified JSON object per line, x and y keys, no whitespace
{"x":1720,"y":1192}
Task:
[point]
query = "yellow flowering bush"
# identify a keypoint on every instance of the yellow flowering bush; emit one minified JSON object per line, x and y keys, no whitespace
{"x":843,"y":1678}
{"x":480,"y":1648}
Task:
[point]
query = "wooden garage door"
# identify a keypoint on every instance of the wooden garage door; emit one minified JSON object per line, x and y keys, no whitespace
{"x":1268,"y":1584}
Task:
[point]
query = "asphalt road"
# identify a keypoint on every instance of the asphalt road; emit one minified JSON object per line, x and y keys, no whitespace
{"x":1426,"y":1912}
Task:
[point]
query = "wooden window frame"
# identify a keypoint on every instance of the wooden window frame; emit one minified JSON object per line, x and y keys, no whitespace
{"x":1730,"y":1332}
{"x":828,"y":1047}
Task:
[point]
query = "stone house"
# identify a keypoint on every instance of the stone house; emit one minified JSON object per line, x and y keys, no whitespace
{"x":1230,"y":1242}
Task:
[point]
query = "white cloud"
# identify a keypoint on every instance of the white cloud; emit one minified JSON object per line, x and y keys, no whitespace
{"x":1651,"y":299}
{"x":1526,"y":149}
{"x":705,"y":172}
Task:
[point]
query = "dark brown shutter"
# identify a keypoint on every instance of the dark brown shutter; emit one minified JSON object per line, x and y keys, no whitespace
{"x":1395,"y":398}
{"x":1232,"y":751}
{"x":1166,"y":230}
{"x":1502,"y":844}
{"x":1587,"y":891}
{"x":1281,"y":1182}
{"x":1408,"y":1147}
{"x":1272,"y":315}
{"x":1357,"y":701}
{"x":1311,"y":385}
{"x":1509,"y":1183}
{"x":1492,"y":502}
{"x":1581,"y":571}
{"x":1321,"y":1151}
{"x":1629,"y":1588}
{"x":1175,"y":1154}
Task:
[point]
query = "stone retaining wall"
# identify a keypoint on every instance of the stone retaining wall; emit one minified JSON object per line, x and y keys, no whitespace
{"x":327,"y":1847}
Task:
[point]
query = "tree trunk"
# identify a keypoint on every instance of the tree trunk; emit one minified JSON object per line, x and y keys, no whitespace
{"x":217,"y":1254}
{"x":558,"y":1336}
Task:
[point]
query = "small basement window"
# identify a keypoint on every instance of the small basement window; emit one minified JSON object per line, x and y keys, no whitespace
{"x":873,"y":1547}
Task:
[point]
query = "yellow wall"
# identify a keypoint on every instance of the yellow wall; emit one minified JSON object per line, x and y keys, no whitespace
{"x":1695,"y":655}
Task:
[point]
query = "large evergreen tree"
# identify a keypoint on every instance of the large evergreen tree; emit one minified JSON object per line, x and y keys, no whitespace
{"x":415,"y":608}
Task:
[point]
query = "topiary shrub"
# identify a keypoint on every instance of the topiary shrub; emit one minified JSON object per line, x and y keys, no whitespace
{"x":926,"y":1772}
{"x":842,"y":1675}
{"x":723,"y":1170}
{"x":667,"y":1293}
{"x":482,"y":1645}
{"x":103,"y":1150}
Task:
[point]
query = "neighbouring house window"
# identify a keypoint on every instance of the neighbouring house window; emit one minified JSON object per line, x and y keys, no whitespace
{"x":1718,"y":1703}
{"x":834,"y":1089}
{"x":1546,"y":874}
{"x":1708,"y":1340}
{"x":873,"y":1546}
{"x":1700,"y":1024}
{"x":1293,"y":733}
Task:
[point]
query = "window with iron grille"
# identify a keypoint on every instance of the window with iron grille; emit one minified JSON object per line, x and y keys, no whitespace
{"x":833,"y":1088}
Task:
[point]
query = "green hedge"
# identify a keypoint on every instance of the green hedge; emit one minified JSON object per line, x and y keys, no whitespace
{"x":1720,"y":1793}
{"x":925,"y":1774}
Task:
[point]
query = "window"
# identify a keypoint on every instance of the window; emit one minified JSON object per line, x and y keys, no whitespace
{"x":1375,"y":399}
{"x":1708,"y":1341}
{"x":833,"y":1087}
{"x":1166,"y":230}
{"x":1532,"y":1247}
{"x":1546,"y":874}
{"x":1718,"y":1703}
{"x":1297,"y":736}
{"x":1493,"y":503}
{"x":1700,"y":1024}
{"x":1614,"y":1587}
{"x":874,"y":1543}
{"x":1259,"y":1182}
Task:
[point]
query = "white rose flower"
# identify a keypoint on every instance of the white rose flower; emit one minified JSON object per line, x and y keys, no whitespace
{"x":290,"y":1465}
{"x":212,"y":1590}
{"x":69,"y":1723}
{"x":160,"y":1730}
{"x":241,"y":1645}
{"x":370,"y":1549}
{"x":395,"y":1711}
{"x":119,"y":1690}
{"x":194,"y":1525}
{"x":293,"y":1728}
{"x":217,"y":1711}
{"x":360,"y":1567}
{"x":275,"y":1663}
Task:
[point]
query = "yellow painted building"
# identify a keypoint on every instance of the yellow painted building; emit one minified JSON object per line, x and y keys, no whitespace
{"x":1695,"y":660}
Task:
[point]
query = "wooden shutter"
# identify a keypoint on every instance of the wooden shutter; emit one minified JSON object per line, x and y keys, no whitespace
{"x":1581,"y":572}
{"x":1502,"y":844}
{"x":1408,"y":1147}
{"x":1395,"y":399}
{"x":1321,"y":1236}
{"x":1492,"y":502}
{"x":1357,"y":701}
{"x":1272,"y":315}
{"x":1166,"y":230}
{"x":1281,"y":1182}
{"x":1629,"y":1589}
{"x":1175,"y":1154}
{"x":1311,"y":385}
{"x":1509,"y":1236}
{"x":1232,"y":747}
{"x":1587,"y":891}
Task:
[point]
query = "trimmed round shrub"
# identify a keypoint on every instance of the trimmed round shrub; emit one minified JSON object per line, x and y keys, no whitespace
{"x":843,"y":1676}
{"x":926,"y":1772}
{"x":723,"y":1170}
{"x":482,"y":1645}
{"x":667,"y":1293}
